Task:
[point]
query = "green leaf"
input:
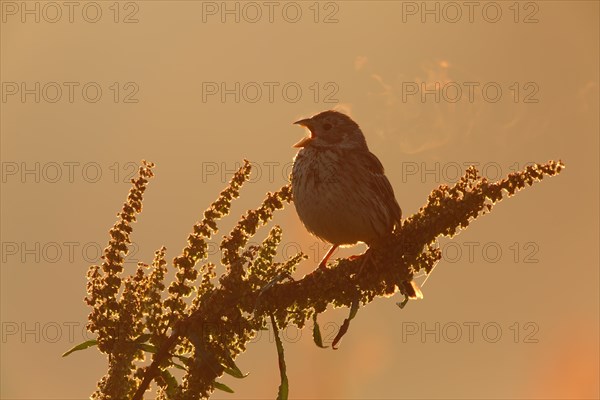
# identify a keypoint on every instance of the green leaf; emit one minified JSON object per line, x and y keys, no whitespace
{"x":340,"y":334}
{"x":143,"y":338}
{"x":282,"y":394}
{"x":179,"y":366}
{"x":82,"y":346}
{"x":231,"y":369}
{"x":403,"y":303}
{"x":223,"y":387}
{"x":150,"y":348}
{"x":354,"y":309}
{"x":184,"y":359}
{"x":317,"y":333}
{"x":235,"y":372}
{"x":346,"y":324}
{"x":171,"y":383}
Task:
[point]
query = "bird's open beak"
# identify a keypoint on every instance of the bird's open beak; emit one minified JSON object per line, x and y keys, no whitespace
{"x":307,"y":124}
{"x":303,"y":122}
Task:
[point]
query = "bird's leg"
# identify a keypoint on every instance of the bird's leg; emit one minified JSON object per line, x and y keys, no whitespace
{"x":365,"y":257}
{"x":323,"y":263}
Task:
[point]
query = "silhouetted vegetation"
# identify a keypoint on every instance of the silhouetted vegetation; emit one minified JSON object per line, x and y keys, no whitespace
{"x":200,"y":324}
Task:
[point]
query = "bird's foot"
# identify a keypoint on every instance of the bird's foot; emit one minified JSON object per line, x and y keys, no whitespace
{"x":364,"y":257}
{"x":356,"y":256}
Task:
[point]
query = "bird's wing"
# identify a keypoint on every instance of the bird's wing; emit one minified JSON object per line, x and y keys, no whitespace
{"x":381,"y":185}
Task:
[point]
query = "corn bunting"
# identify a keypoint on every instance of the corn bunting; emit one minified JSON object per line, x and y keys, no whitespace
{"x":340,"y":191}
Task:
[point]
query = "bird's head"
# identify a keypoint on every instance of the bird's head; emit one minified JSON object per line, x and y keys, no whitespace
{"x":332,"y":129}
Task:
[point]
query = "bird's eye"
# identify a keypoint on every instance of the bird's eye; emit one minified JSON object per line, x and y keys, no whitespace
{"x":327,"y":127}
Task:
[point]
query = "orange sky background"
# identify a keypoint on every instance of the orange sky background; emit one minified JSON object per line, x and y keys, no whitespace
{"x":541,"y":290}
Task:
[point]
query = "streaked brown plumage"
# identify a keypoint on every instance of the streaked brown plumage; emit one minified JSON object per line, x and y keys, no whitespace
{"x":340,"y":191}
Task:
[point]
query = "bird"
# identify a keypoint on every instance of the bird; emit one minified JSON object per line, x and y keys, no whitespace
{"x":339,"y":187}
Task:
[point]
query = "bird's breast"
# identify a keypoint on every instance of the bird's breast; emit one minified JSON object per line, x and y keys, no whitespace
{"x":327,"y":198}
{"x":314,"y":170}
